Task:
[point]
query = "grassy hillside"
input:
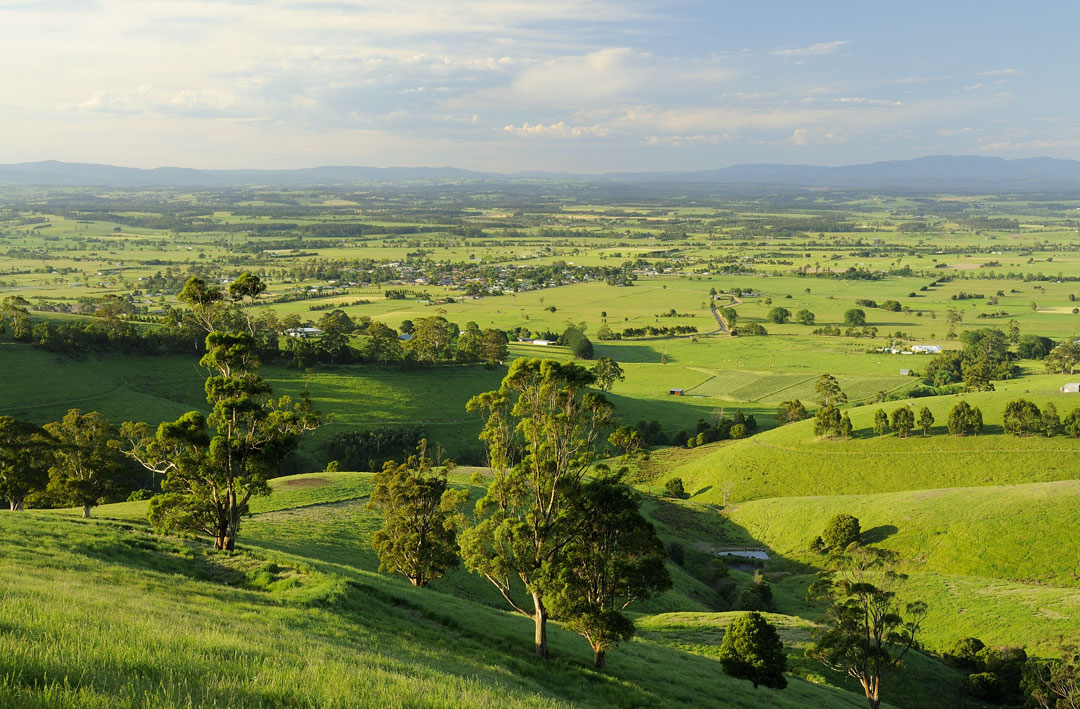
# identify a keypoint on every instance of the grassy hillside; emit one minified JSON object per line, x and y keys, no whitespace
{"x":792,"y":461}
{"x":1007,"y":532}
{"x":101,"y":613}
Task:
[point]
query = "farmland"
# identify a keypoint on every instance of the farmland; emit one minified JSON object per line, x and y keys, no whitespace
{"x":982,"y":524}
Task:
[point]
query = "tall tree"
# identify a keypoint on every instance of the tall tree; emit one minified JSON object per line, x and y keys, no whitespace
{"x":790,"y":412}
{"x":902,"y":421}
{"x":26,"y":453}
{"x":866,"y":632}
{"x":1021,"y":418}
{"x":1063,"y":359}
{"x":752,"y":650}
{"x":881,"y":422}
{"x":209,"y":480}
{"x":1051,"y":422}
{"x":541,"y":431}
{"x":613,"y":560}
{"x":205,"y":301}
{"x":926,"y":421}
{"x":494,"y":346}
{"x":87,"y":459}
{"x":829,"y":391}
{"x":607,"y":371}
{"x":418,"y":538}
{"x":244,"y":291}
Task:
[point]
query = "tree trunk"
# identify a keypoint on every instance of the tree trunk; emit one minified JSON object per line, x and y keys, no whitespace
{"x":540,"y":617}
{"x":86,"y":511}
{"x":16,"y":505}
{"x":598,"y":658}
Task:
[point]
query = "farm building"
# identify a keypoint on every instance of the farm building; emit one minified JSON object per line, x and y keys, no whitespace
{"x":1071,"y":388}
{"x":676,"y":392}
{"x":926,"y":349}
{"x":545,"y":343}
{"x":905,"y":372}
{"x":303,"y":332}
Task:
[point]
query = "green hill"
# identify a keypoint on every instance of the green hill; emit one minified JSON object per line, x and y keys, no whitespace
{"x":101,"y":613}
{"x":792,"y":461}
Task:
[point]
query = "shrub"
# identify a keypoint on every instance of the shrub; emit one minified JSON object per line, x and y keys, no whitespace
{"x":779,"y":315}
{"x":738,"y":430}
{"x":752,"y":650}
{"x":674,"y":488}
{"x":964,"y":653}
{"x":983,"y":685}
{"x":841,"y":531}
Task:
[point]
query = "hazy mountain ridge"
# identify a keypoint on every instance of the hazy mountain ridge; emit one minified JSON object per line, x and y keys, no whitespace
{"x":932,"y":172}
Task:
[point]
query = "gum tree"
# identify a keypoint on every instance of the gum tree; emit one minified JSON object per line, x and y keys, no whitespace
{"x":542,"y":427}
{"x":866,"y":632}
{"x":211,"y":477}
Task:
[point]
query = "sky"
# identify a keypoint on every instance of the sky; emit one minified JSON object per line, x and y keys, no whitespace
{"x":521,"y":85}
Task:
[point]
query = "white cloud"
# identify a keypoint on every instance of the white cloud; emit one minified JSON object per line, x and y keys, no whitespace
{"x":813,"y":50}
{"x":997,"y":72}
{"x":555,"y":130}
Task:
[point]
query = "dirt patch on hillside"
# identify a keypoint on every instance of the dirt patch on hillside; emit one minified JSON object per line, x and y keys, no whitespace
{"x":306,"y":482}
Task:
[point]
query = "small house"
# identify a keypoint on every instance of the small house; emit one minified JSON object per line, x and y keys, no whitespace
{"x":1071,"y":388}
{"x":676,"y":392}
{"x":544,"y":343}
{"x":926,"y":349}
{"x":905,"y":372}
{"x":303,"y":332}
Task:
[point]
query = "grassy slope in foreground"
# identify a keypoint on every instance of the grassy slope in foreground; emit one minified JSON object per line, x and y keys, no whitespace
{"x":792,"y":461}
{"x":100,"y":613}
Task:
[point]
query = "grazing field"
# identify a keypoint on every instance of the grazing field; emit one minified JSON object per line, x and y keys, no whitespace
{"x":156,"y":621}
{"x":714,"y":306}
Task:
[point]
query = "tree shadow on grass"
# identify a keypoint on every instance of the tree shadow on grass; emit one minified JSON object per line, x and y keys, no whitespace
{"x":876,"y":535}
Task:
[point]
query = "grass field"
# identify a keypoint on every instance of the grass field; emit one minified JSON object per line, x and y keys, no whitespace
{"x":158,"y":622}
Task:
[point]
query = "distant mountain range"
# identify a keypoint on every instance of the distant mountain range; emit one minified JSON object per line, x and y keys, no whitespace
{"x":939,"y":172}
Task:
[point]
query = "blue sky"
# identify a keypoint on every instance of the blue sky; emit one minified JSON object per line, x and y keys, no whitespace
{"x":574,"y":85}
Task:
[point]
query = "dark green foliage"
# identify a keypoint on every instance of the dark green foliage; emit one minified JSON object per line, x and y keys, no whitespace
{"x":926,"y":421}
{"x":541,"y":430}
{"x":984,"y":686}
{"x":779,"y":315}
{"x":26,"y":453}
{"x":674,"y":488}
{"x":1051,"y":422}
{"x":1054,"y":684}
{"x":209,"y":479}
{"x":790,"y":412}
{"x":613,"y":560}
{"x":750,"y":329}
{"x":865,"y":632}
{"x":418,"y":538}
{"x":371,"y":449}
{"x":86,"y":460}
{"x":828,"y":422}
{"x":1072,"y":424}
{"x":1022,"y":418}
{"x":964,"y":419}
{"x":855,"y":317}
{"x":805,"y":317}
{"x":881,"y":422}
{"x":607,"y":372}
{"x":627,"y":439}
{"x":902,"y":421}
{"x":964,"y":654}
{"x":752,"y":650}
{"x":841,"y":531}
{"x":829,"y":391}
{"x":578,"y":343}
{"x":1034,"y":347}
{"x":1063,"y":359}
{"x":845,"y":430}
